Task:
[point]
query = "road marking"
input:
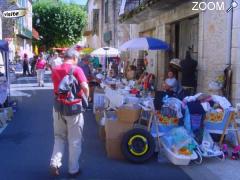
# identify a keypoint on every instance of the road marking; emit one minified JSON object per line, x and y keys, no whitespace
{"x":31,"y":86}
{"x":3,"y":128}
{"x":15,"y":93}
{"x":28,"y":85}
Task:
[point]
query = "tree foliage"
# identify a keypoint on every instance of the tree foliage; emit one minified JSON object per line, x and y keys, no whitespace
{"x":59,"y":24}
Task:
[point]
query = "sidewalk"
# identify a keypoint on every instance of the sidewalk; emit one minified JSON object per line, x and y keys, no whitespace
{"x":214,"y":169}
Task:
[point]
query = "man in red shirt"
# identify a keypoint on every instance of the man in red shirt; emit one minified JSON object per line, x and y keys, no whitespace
{"x":68,"y":128}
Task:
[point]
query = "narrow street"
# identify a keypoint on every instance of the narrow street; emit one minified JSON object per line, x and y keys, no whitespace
{"x":26,"y":144}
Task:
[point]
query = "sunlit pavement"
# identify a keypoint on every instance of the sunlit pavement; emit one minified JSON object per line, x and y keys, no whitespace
{"x":26,"y":146}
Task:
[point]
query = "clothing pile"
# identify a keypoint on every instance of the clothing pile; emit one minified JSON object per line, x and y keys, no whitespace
{"x":200,"y":113}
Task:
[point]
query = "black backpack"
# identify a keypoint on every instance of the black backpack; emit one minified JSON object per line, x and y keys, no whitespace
{"x":67,"y":101}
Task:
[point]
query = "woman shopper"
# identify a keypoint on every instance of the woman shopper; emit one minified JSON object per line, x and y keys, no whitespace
{"x":33,"y":65}
{"x":40,"y":68}
{"x":25,"y":65}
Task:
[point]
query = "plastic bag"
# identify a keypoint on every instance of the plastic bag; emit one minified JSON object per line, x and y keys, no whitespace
{"x":116,"y":100}
{"x":208,"y":146}
{"x":177,"y":138}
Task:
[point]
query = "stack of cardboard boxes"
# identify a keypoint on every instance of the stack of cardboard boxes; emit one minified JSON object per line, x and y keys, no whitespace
{"x":113,"y":124}
{"x":116,"y":128}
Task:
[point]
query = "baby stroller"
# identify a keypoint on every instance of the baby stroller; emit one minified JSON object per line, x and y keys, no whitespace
{"x":178,"y":145}
{"x":206,"y":147}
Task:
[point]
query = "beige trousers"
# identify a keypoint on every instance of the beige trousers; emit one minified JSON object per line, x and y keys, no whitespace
{"x":40,"y":76}
{"x":67,"y":129}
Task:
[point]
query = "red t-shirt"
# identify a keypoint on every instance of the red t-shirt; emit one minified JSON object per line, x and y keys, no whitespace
{"x":62,"y":70}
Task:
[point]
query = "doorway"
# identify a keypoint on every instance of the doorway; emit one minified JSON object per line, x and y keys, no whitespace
{"x":184,"y":37}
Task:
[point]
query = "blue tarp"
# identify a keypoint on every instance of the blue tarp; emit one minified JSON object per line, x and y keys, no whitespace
{"x":3,"y":45}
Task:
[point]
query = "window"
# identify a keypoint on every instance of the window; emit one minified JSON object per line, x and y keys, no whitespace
{"x":106,"y":10}
{"x":95,"y":21}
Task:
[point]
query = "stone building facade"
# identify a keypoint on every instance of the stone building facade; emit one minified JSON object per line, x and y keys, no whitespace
{"x":214,"y":39}
{"x":8,"y":24}
{"x":18,"y":32}
{"x":110,"y":32}
{"x":114,"y":33}
{"x":93,"y":31}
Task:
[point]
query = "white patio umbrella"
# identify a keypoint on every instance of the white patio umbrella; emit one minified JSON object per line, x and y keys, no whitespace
{"x":106,"y":51}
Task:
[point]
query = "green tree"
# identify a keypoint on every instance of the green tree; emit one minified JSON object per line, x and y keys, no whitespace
{"x":59,"y":24}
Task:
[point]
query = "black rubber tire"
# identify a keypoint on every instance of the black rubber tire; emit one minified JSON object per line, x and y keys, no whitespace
{"x":140,"y":138}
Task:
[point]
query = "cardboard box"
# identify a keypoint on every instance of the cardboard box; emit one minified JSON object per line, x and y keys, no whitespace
{"x":116,"y":129}
{"x":113,"y":149}
{"x":128,"y":114}
{"x":102,"y":133}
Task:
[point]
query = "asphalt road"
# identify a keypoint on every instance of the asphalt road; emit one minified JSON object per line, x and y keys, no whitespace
{"x":26,"y":147}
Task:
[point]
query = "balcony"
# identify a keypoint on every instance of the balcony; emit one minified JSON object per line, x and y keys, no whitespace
{"x":136,"y":11}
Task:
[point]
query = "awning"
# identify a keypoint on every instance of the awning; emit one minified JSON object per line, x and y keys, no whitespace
{"x":60,"y":49}
{"x":35,"y":34}
{"x":4,"y":45}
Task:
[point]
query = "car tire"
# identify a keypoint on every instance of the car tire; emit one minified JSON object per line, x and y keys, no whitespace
{"x":138,"y":145}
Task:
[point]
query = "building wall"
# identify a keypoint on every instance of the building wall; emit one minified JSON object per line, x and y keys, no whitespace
{"x":8,"y":24}
{"x":8,"y":28}
{"x":162,"y":31}
{"x":93,"y":40}
{"x":236,"y":56}
{"x":212,"y":47}
{"x":12,"y":33}
{"x":24,"y":30}
{"x":120,"y":32}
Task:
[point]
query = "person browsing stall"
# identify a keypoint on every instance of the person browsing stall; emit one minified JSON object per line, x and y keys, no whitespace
{"x":55,"y":61}
{"x":171,"y":82}
{"x":131,"y":73}
{"x":25,"y":65}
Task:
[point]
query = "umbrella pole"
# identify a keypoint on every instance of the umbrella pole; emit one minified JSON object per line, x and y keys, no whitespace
{"x":106,"y":61}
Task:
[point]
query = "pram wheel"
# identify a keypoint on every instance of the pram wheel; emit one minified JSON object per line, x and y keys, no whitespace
{"x":138,"y":145}
{"x":199,"y":154}
{"x":222,"y":157}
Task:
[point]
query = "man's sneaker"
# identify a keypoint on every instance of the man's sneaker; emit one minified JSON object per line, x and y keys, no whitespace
{"x":74,"y":175}
{"x":54,"y":171}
